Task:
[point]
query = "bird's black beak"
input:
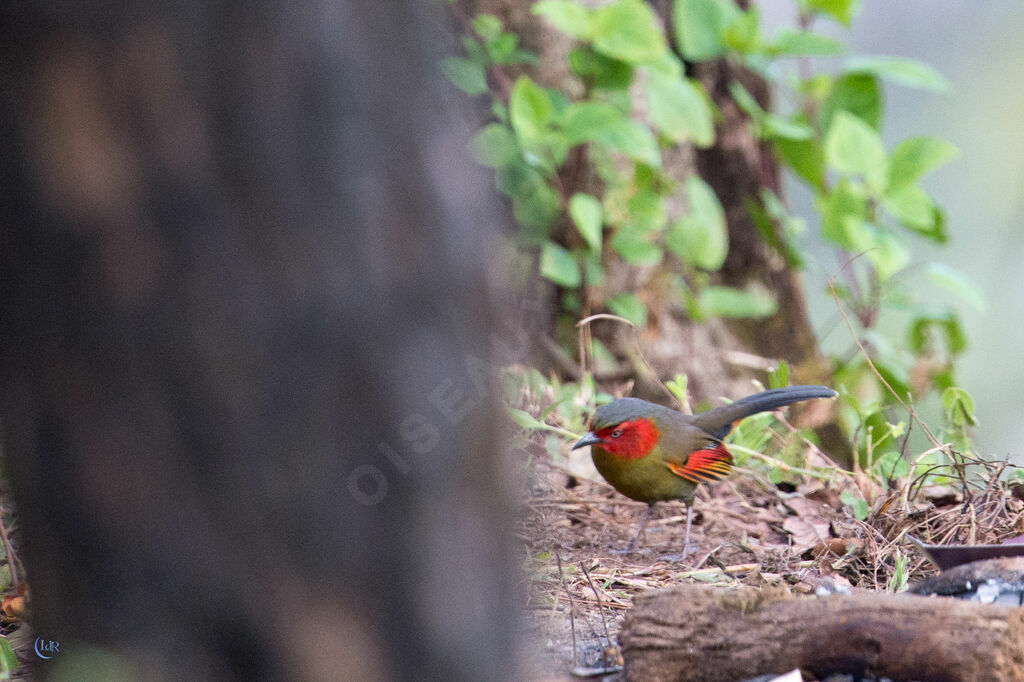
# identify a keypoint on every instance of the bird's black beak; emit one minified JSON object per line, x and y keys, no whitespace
{"x":589,"y":439}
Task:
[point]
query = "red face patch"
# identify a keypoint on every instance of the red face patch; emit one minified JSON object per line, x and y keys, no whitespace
{"x":629,"y":440}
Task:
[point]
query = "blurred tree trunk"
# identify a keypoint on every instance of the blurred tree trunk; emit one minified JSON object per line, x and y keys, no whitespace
{"x":244,"y":342}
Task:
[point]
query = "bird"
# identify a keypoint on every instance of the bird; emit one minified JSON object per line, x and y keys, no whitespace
{"x":649,"y":452}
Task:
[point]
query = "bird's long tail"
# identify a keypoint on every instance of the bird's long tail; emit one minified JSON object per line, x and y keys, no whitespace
{"x":719,"y":421}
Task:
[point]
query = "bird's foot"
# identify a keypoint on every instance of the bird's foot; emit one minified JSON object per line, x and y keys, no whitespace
{"x":629,"y":549}
{"x":688,"y":549}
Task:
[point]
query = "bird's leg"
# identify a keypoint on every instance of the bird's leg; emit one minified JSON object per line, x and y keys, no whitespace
{"x":643,"y":525}
{"x":687,"y":547}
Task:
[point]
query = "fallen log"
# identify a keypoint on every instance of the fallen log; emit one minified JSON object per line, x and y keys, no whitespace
{"x":694,"y":632}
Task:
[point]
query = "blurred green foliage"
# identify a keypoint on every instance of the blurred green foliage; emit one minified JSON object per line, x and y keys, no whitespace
{"x":632,"y":101}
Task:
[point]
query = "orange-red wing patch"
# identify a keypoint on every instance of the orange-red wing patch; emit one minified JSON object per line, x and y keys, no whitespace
{"x":705,"y":466}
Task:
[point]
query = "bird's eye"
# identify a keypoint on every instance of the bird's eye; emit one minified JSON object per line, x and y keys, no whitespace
{"x":616,"y":433}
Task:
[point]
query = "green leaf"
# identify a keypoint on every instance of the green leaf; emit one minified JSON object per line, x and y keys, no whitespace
{"x":593,"y":273}
{"x":633,"y":139}
{"x":845,"y":204}
{"x":629,"y":307}
{"x":912,"y":206}
{"x":893,"y":370}
{"x":842,"y":11}
{"x":953,"y":280}
{"x":502,"y":50}
{"x":855,"y":148}
{"x":716,"y":301}
{"x":958,"y":406}
{"x":777,"y":227}
{"x":679,"y":109}
{"x":523,"y":56}
{"x":891,"y":466}
{"x":908,"y":72}
{"x":600,"y":122}
{"x":857,"y":505}
{"x":768,"y":124}
{"x":570,"y":299}
{"x":669,"y":66}
{"x":587,"y":214}
{"x":585,"y":121}
{"x":844,"y":221}
{"x":792,"y":43}
{"x":779,"y":377}
{"x":628,"y":30}
{"x":569,"y":17}
{"x":645,"y":178}
{"x":517,"y":179}
{"x":938,"y":232}
{"x":647,"y":211}
{"x":916,"y":156}
{"x":879,"y":429}
{"x":856,"y":93}
{"x":599,"y":70}
{"x":534,"y":203}
{"x":487,"y":26}
{"x":559,"y":266}
{"x":746,"y":101}
{"x":700,"y":26}
{"x":789,"y":127}
{"x":475,"y":52}
{"x":537,"y":209}
{"x":499,"y":111}
{"x":943,"y":378}
{"x":743,"y":34}
{"x":524,"y":419}
{"x":530,"y":109}
{"x":677,"y":387}
{"x":467,"y":75}
{"x":943,"y":320}
{"x":886,"y":250}
{"x":494,"y":146}
{"x":701,"y":238}
{"x":806,"y":158}
{"x":703,"y":201}
{"x":8,"y":659}
{"x":816,"y":87}
{"x":635,"y":247}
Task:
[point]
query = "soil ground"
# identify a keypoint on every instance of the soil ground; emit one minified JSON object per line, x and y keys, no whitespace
{"x":581,"y":584}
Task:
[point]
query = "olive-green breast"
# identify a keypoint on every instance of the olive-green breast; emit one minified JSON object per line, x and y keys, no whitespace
{"x":646,"y":479}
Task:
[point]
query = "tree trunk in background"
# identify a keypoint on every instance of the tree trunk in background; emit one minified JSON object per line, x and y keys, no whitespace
{"x":738,"y":166}
{"x":244,"y":332}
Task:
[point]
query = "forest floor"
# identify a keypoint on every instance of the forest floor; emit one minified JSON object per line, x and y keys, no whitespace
{"x":580,"y":585}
